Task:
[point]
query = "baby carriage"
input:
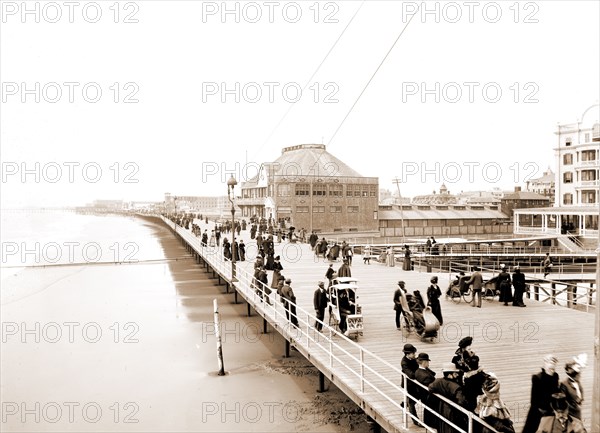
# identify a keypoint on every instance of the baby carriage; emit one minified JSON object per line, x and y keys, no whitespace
{"x":420,"y":318}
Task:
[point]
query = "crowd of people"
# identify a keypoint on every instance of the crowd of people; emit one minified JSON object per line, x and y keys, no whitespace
{"x":555,"y":404}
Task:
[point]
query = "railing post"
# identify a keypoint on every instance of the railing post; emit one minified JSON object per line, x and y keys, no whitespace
{"x":330,"y":348}
{"x":307,"y":330}
{"x":362,"y":370}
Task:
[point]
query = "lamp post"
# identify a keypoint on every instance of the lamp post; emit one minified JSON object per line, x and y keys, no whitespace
{"x":231,"y":183}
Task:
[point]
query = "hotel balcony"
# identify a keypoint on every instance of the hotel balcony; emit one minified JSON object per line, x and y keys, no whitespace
{"x":586,"y":165}
{"x":587,"y":184}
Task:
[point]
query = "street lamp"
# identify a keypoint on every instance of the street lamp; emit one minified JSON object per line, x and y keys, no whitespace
{"x":231,"y":183}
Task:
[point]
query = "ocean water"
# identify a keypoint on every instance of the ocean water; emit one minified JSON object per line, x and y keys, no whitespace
{"x":55,"y":238}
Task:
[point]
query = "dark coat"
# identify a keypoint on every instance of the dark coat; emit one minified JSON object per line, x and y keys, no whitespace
{"x":425,"y":376}
{"x":473,"y":381}
{"x":397,"y":297}
{"x":433,"y":298}
{"x":320,"y":300}
{"x":409,"y":367}
{"x":344,"y":271}
{"x":504,"y":286}
{"x":574,"y":400}
{"x":542,"y":387}
{"x":329,"y":273}
{"x":452,"y":391}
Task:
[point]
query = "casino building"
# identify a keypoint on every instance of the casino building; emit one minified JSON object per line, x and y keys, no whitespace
{"x":310,"y":188}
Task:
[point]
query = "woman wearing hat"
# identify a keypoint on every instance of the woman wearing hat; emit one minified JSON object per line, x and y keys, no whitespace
{"x":491,"y":409}
{"x":503,"y":285}
{"x":518,"y":280}
{"x":433,"y":299}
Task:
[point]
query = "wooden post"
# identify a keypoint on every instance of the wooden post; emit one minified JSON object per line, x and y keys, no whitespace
{"x":553,"y":286}
{"x":264,"y":326}
{"x":321,"y":382}
{"x":218,"y":335}
{"x":287,"y":349}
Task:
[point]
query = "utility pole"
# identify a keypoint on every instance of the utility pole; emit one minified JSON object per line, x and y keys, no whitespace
{"x":397,"y":182}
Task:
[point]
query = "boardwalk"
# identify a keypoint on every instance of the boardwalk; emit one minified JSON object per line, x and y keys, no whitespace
{"x":511,"y":342}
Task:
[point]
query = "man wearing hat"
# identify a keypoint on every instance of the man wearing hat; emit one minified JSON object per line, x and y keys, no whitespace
{"x":398,"y":302}
{"x":561,"y":420}
{"x":543,"y":385}
{"x":289,"y":302}
{"x":409,"y":367}
{"x":477,"y":281}
{"x":424,"y":375}
{"x":449,"y":388}
{"x":320,"y":303}
{"x":518,"y":280}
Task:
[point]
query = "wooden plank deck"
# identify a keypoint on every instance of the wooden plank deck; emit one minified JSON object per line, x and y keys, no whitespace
{"x":510,"y":341}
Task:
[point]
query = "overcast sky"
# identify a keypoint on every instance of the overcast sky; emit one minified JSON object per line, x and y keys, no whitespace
{"x":189,"y":91}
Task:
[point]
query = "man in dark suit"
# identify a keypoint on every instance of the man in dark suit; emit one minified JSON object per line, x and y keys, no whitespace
{"x":543,"y":385}
{"x":477,"y":281}
{"x":320,"y":303}
{"x":425,"y":376}
{"x":398,"y":303}
{"x":409,"y":367}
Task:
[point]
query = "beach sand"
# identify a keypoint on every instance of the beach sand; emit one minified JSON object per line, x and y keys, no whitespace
{"x":131,"y":348}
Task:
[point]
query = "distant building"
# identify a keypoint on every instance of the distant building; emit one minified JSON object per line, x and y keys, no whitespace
{"x":443,"y":198}
{"x":522,"y":200}
{"x":421,"y":220}
{"x":108,"y":204}
{"x":576,"y":203}
{"x":215,"y":206}
{"x":384,"y":194}
{"x":310,"y":188}
{"x":544,"y":185}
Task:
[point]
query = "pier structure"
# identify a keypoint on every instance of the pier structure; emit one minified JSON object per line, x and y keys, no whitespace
{"x":511,"y":342}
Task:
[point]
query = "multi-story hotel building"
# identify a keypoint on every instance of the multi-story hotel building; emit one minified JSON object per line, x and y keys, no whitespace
{"x":577,"y":203}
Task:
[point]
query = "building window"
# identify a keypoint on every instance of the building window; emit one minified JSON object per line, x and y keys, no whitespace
{"x":567,"y":141}
{"x":301,"y":209}
{"x":302,"y":189}
{"x":365,"y":190}
{"x":588,"y":175}
{"x":349,"y":190}
{"x":352,"y":209}
{"x":588,"y":155}
{"x":588,"y":197}
{"x":335,"y":209}
{"x":568,"y":198}
{"x":568,"y":159}
{"x":356,"y":190}
{"x":283,"y":190}
{"x":318,"y":209}
{"x":568,"y":177}
{"x":373,"y":191}
{"x":319,"y":189}
{"x":335,"y":190}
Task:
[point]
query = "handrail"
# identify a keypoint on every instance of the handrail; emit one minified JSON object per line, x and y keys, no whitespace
{"x":245,"y":285}
{"x":571,"y":288}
